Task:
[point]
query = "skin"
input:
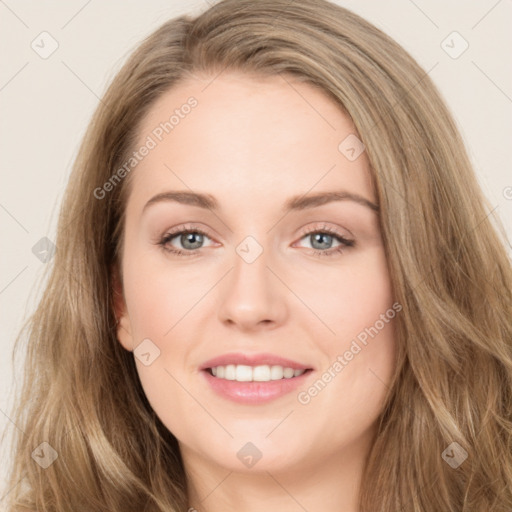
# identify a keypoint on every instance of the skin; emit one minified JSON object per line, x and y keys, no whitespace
{"x":253,"y":143}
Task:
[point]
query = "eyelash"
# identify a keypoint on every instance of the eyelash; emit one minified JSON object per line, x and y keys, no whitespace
{"x":344,"y":242}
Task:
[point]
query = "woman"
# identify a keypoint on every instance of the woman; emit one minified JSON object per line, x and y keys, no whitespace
{"x":248,"y":371}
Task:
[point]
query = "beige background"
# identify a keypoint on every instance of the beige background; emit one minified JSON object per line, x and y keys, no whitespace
{"x":47,"y":103}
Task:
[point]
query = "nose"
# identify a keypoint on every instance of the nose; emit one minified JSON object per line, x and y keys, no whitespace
{"x":252,"y":296}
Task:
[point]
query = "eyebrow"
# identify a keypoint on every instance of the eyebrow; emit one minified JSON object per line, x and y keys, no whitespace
{"x":295,"y":203}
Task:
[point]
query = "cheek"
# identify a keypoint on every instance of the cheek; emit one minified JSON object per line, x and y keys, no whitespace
{"x":350,"y":298}
{"x":365,"y":344}
{"x":357,"y":305}
{"x":359,"y":363}
{"x":158,"y":303}
{"x":157,"y":297}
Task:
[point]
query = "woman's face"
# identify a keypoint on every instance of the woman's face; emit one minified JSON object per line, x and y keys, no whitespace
{"x":274,"y":274}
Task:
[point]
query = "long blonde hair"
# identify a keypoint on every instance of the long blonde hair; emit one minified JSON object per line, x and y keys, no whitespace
{"x":448,"y":265}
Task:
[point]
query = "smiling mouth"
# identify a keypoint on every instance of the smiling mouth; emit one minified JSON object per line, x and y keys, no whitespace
{"x":260,"y":373}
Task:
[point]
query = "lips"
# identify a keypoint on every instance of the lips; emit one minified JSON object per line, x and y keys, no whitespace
{"x":254,"y":393}
{"x":231,"y":376}
{"x":253,"y":360}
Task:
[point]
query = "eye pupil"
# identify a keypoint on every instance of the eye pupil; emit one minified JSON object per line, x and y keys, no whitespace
{"x":190,"y":238}
{"x":319,"y":237}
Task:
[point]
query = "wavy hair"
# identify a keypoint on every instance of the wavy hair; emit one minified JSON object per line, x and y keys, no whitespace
{"x":446,"y":256}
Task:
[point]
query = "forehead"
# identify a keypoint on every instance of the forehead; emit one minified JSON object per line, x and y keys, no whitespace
{"x":238,"y":135}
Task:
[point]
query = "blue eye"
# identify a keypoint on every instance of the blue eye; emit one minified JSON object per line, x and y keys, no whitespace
{"x":192,"y":240}
{"x":325,"y":236}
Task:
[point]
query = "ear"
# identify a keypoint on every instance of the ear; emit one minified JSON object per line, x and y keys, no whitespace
{"x":123,"y":327}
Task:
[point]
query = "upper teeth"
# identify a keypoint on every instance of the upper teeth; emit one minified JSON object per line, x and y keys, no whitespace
{"x":264,"y":373}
